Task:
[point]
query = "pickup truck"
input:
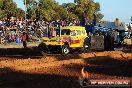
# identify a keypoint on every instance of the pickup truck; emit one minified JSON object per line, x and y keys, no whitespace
{"x":67,"y":38}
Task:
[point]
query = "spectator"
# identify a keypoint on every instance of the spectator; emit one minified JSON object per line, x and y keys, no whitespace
{"x":24,"y":40}
{"x":13,"y":28}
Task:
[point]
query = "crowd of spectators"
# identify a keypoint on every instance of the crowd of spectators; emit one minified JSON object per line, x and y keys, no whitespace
{"x":11,"y":30}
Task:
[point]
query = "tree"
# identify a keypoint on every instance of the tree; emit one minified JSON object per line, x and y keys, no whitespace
{"x":51,"y":10}
{"x":88,"y":8}
{"x":1,"y":3}
{"x":19,"y":13}
{"x":9,"y":8}
{"x":60,"y":13}
{"x":70,"y":8}
{"x":31,"y":6}
{"x":45,"y":9}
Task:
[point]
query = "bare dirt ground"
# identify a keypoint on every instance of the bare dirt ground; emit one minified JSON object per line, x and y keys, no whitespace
{"x":27,"y":68}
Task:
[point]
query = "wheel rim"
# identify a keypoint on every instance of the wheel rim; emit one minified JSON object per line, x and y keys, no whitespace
{"x":86,"y":46}
{"x":66,"y":50}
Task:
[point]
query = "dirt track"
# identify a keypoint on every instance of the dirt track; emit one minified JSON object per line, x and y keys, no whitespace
{"x":55,"y":71}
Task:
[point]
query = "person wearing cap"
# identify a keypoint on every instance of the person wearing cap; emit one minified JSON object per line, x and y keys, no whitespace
{"x":24,"y":39}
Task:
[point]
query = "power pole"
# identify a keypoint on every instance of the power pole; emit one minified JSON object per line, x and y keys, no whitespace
{"x":25,"y":14}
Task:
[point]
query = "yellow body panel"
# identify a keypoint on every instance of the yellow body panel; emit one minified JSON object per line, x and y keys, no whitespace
{"x":73,"y":41}
{"x":75,"y":45}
